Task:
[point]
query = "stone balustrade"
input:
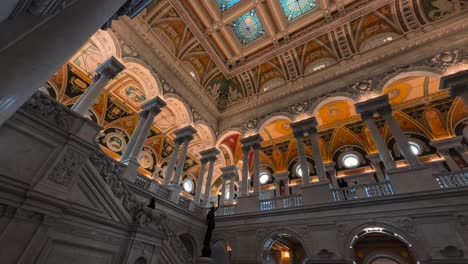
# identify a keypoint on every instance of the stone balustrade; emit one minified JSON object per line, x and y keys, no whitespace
{"x":452,"y":179}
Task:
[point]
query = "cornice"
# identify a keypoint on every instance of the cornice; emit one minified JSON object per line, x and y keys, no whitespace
{"x":153,"y":52}
{"x":402,"y":52}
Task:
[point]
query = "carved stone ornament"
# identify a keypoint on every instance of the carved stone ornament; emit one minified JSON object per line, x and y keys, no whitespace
{"x":446,"y":59}
{"x":49,"y":110}
{"x":68,"y":167}
{"x":250,"y":124}
{"x":299,"y":108}
{"x":452,"y":252}
{"x":362,"y":87}
{"x":325,"y":254}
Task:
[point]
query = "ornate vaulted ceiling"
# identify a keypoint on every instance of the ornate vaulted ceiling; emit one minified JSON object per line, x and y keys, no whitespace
{"x":238,"y":48}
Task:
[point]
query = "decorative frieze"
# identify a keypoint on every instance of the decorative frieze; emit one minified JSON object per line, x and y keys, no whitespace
{"x":68,"y":167}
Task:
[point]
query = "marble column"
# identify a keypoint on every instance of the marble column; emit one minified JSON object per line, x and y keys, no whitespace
{"x":211,"y":155}
{"x":232,"y":182}
{"x":302,"y":158}
{"x":331,"y":169}
{"x":384,"y":152}
{"x":181,"y":161}
{"x":130,"y":156}
{"x":400,"y":138}
{"x":104,"y":73}
{"x":319,"y":167}
{"x":245,"y":170}
{"x":254,"y":142}
{"x":222,"y":201}
{"x":375,"y":164}
{"x":229,"y":176}
{"x":34,"y":47}
{"x":457,"y":83}
{"x":201,"y":176}
{"x":282,"y":176}
{"x":256,"y":167}
{"x":443,"y":146}
{"x":172,"y":161}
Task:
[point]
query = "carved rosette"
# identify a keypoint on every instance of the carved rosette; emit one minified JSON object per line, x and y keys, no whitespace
{"x":447,"y":59}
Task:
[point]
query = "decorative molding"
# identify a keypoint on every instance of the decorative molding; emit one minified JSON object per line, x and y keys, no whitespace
{"x":68,"y":167}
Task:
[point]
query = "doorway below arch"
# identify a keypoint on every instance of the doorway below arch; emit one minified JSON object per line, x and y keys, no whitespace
{"x":283,"y":249}
{"x":377,"y":245}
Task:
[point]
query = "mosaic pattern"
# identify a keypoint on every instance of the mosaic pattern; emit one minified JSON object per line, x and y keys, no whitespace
{"x":248,"y":27}
{"x":295,"y":8}
{"x":226,"y":4}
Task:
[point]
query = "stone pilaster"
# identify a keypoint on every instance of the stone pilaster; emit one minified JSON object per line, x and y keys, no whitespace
{"x":253,"y":142}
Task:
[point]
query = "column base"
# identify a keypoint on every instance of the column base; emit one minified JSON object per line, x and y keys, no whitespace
{"x":412,"y":179}
{"x":175,"y":193}
{"x":205,"y":260}
{"x":130,"y":172}
{"x":247,"y":204}
{"x":318,"y":193}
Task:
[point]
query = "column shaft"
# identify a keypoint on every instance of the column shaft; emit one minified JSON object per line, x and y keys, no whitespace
{"x":86,"y":100}
{"x":38,"y":47}
{"x":200,"y":182}
{"x":256,"y":168}
{"x":384,"y":152}
{"x":181,"y":162}
{"x":303,"y":160}
{"x":144,"y":115}
{"x":317,"y":156}
{"x":170,"y":166}
{"x":231,"y":190}
{"x":209,"y":178}
{"x":245,"y":171}
{"x":401,"y":139}
{"x":223,"y":191}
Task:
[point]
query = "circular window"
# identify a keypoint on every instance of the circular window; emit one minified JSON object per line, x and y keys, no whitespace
{"x":415,"y":148}
{"x":188,"y":186}
{"x":264,"y":177}
{"x":299,"y":170}
{"x":350,"y":161}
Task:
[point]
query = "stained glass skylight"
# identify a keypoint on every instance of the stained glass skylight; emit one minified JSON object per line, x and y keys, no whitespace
{"x":294,"y":8}
{"x":248,"y":27}
{"x":226,"y":4}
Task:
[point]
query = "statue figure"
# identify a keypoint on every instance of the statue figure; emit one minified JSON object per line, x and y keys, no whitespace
{"x":210,"y":225}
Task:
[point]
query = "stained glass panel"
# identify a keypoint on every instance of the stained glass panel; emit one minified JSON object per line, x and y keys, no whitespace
{"x":248,"y":27}
{"x":226,"y":4}
{"x":294,"y":8}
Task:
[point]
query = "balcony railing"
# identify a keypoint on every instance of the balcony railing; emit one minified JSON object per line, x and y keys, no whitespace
{"x":184,"y":202}
{"x":452,"y":179}
{"x":142,"y":181}
{"x":164,"y":191}
{"x":230,"y":209}
{"x":266,"y":205}
{"x":362,"y":191}
{"x":292,"y":201}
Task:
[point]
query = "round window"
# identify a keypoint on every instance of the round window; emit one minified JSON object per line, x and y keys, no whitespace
{"x":299,"y":170}
{"x":264,"y":177}
{"x":350,"y":161}
{"x":188,"y":186}
{"x":415,"y":148}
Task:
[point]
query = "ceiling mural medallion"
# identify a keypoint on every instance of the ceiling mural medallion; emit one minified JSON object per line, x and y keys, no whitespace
{"x":226,"y":4}
{"x":248,"y":27}
{"x":295,"y":8}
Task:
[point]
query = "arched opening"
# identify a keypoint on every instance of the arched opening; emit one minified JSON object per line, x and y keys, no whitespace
{"x":283,"y":249}
{"x":140,"y":260}
{"x":221,"y":252}
{"x":377,"y":245}
{"x":189,"y":243}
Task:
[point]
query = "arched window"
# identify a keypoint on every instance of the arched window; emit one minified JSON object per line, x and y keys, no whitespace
{"x":188,"y":185}
{"x":264,"y":177}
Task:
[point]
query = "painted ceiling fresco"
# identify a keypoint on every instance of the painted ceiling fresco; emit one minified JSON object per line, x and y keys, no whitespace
{"x":236,"y":49}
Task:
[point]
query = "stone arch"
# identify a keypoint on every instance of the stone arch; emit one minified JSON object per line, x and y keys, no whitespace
{"x":352,"y":238}
{"x":410,"y":72}
{"x":190,"y":244}
{"x":203,"y":128}
{"x":273,"y":117}
{"x":180,"y":109}
{"x":107,"y":44}
{"x":278,"y":233}
{"x":145,"y":77}
{"x":332,"y":98}
{"x":227,"y":133}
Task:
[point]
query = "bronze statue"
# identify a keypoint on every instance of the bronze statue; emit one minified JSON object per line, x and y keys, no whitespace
{"x":210,"y":225}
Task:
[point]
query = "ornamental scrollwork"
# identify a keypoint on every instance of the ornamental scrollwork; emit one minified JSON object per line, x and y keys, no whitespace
{"x":49,"y":110}
{"x":67,"y":168}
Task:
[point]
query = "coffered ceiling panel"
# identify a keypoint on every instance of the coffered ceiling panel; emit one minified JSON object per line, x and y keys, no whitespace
{"x":238,"y":48}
